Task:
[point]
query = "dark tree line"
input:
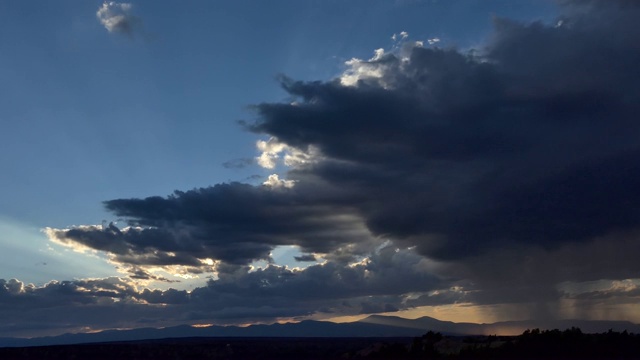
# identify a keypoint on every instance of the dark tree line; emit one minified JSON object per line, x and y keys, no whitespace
{"x":555,"y":344}
{"x":532,"y":344}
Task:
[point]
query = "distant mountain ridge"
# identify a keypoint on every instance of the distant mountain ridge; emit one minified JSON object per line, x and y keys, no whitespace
{"x":372,"y":326}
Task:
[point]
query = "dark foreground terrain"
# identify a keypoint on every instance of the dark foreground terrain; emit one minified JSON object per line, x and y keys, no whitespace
{"x":532,"y":344}
{"x":207,"y":348}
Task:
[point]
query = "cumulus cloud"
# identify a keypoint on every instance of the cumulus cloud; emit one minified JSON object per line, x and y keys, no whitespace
{"x":236,"y":295}
{"x":272,"y":151}
{"x":274,"y":181}
{"x":527,"y":144}
{"x":117,"y":18}
{"x":233,"y":223}
{"x":400,"y":36}
{"x":361,"y":70}
{"x":423,"y":176}
{"x":481,"y":150}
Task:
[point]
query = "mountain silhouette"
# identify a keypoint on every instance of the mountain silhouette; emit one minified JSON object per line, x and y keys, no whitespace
{"x":371,"y":326}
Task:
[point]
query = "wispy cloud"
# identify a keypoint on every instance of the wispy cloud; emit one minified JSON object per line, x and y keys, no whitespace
{"x":117,"y":18}
{"x":238,"y":163}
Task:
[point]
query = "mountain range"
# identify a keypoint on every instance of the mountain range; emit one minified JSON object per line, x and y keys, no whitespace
{"x":372,"y":326}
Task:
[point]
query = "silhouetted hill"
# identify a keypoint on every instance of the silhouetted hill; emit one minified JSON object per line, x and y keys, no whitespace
{"x":428,"y":323}
{"x":532,"y":344}
{"x":372,"y":326}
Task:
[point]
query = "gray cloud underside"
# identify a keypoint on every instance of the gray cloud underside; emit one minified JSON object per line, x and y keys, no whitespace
{"x":516,"y":166}
{"x":236,"y":296}
{"x":389,"y":280}
{"x":533,"y":142}
{"x":236,"y":223}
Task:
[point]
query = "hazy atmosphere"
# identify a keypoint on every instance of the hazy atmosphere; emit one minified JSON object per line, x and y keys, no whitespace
{"x":241,"y":162}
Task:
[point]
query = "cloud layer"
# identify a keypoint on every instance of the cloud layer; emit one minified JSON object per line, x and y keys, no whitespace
{"x":237,"y":295}
{"x":423,"y":176}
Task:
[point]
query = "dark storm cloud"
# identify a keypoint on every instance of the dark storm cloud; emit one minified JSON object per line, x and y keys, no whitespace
{"x":520,"y":274}
{"x":531,"y":140}
{"x":514,"y":165}
{"x":235,"y":223}
{"x":386,"y":272}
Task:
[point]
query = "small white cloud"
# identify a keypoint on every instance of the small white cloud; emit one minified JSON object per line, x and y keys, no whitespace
{"x":274,"y":181}
{"x":272,"y":149}
{"x":358,"y":70}
{"x":402,"y":35}
{"x":433,"y":41}
{"x":117,"y":18}
{"x":295,"y":157}
{"x":361,"y":69}
{"x":377,"y":54}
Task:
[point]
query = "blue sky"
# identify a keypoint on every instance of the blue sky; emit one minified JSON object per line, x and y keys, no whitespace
{"x":104,"y":105}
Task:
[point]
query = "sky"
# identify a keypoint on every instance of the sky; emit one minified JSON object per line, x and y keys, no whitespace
{"x":239,"y":162}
